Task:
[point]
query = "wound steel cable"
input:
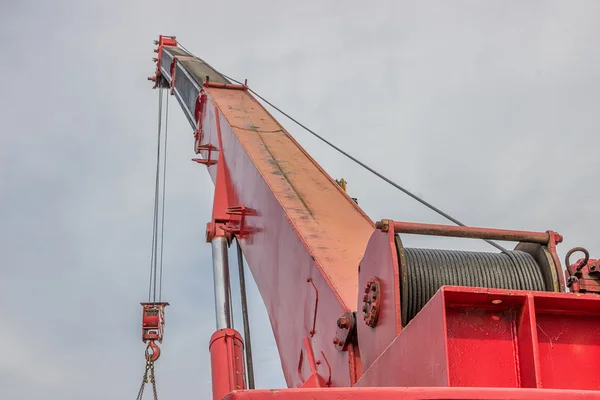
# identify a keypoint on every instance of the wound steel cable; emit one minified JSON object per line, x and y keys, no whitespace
{"x":424,"y":271}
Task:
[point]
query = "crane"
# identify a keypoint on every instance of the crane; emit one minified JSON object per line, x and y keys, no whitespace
{"x":355,"y":313}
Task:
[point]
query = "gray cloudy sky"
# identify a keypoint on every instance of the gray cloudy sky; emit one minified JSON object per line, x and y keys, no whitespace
{"x":487,"y":109}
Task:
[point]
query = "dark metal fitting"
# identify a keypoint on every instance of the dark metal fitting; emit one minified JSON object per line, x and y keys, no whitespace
{"x":383,"y":225}
{"x":346,"y":331}
{"x":581,"y":263}
{"x":372,"y":302}
{"x":343,"y":322}
{"x":557,"y":236}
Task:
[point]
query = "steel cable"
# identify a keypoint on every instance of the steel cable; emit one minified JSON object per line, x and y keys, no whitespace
{"x":158,"y":224}
{"x":152,"y":283}
{"x":354,"y":159}
{"x":164,"y":191}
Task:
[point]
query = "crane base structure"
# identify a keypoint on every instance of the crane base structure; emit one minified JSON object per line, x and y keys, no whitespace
{"x":413,"y":393}
{"x":354,"y":313}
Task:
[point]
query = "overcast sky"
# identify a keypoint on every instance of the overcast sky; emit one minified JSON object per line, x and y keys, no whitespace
{"x":486,"y":110}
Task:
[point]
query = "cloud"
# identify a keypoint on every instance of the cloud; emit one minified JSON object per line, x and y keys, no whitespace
{"x":486,"y":111}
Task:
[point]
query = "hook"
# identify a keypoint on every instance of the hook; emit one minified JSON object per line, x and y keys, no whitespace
{"x":152,"y":351}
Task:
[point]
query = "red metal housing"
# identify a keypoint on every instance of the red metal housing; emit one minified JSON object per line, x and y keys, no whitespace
{"x":414,"y":393}
{"x":153,"y":321}
{"x":472,"y":337}
{"x":227,"y":362}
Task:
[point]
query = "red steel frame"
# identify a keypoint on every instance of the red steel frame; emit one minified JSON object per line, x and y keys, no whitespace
{"x":304,"y":239}
{"x":475,"y":337}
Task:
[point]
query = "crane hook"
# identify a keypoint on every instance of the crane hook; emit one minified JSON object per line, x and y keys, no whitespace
{"x":152,"y":351}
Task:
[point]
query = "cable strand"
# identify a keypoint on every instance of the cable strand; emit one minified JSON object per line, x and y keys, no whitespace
{"x":365,"y":166}
{"x":164,"y":190}
{"x":156,"y":203}
{"x":152,"y":283}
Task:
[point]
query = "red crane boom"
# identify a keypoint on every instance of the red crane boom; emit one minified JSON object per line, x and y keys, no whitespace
{"x":425,"y":324}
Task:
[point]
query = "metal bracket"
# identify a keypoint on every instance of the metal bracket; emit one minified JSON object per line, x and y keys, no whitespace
{"x":232,"y":86}
{"x":198,"y":112}
{"x":240,"y":227}
{"x":313,"y":330}
{"x":158,"y":79}
{"x":315,"y":380}
{"x":328,"y":382}
{"x":346,"y":331}
{"x":208,"y":161}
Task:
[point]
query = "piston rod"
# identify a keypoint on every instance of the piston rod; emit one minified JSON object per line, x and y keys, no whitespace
{"x":221,"y":283}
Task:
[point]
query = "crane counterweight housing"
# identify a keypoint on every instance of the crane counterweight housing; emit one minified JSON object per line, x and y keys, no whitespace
{"x":354,"y":313}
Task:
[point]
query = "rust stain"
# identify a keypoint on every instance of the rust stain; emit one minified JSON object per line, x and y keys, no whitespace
{"x":275,"y":162}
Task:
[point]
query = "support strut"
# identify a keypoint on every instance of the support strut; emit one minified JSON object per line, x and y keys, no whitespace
{"x":249,"y":364}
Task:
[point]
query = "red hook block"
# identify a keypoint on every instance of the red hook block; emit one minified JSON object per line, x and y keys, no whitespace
{"x":153,"y":322}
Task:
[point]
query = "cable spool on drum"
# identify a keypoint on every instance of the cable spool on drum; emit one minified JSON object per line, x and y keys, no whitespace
{"x":424,"y":271}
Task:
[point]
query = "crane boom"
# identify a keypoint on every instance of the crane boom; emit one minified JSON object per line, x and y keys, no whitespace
{"x":425,"y":324}
{"x":308,"y":234}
